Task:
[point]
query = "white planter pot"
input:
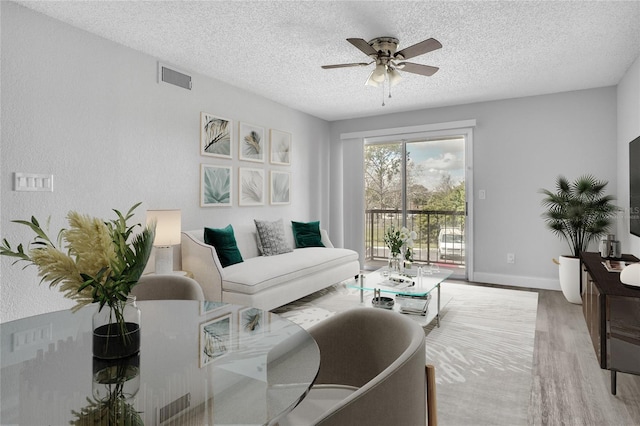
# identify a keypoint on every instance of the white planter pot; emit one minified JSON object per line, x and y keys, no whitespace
{"x":570,"y":278}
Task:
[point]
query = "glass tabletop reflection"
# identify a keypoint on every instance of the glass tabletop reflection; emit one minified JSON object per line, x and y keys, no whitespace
{"x":199,"y":363}
{"x":409,"y":282}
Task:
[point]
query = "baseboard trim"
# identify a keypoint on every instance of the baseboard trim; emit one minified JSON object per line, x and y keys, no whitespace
{"x":517,"y":281}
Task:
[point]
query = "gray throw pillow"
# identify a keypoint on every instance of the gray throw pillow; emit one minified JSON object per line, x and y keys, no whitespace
{"x":271,"y":239}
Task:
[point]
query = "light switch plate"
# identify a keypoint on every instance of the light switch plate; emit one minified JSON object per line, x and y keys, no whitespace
{"x":32,"y":182}
{"x":34,"y":336}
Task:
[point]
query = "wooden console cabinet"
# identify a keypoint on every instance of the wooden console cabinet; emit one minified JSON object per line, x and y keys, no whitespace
{"x":612,"y":313}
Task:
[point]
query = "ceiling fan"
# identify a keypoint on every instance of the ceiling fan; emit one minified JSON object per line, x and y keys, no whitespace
{"x":382,"y":51}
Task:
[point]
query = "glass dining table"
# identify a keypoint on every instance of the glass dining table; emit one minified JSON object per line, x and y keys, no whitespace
{"x":199,"y":363}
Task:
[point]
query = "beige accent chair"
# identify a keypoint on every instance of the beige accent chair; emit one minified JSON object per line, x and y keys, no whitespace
{"x":372,"y":372}
{"x":167,"y":287}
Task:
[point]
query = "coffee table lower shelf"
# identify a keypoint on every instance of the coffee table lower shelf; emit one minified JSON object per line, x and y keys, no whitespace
{"x":417,"y":306}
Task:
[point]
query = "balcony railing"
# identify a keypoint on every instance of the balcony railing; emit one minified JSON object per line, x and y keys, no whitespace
{"x":427,"y":224}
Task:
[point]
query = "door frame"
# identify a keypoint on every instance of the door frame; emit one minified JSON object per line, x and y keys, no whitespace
{"x":432,"y":131}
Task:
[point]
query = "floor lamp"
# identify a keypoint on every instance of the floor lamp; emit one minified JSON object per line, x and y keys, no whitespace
{"x":168,"y":227}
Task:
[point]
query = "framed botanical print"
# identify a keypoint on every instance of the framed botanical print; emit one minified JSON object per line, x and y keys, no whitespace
{"x":208,"y":305}
{"x":215,"y":339}
{"x":251,"y":187}
{"x":280,"y":149}
{"x":216,"y":135}
{"x":251,"y":143}
{"x":251,"y":321}
{"x":215,"y":186}
{"x":280,"y":185}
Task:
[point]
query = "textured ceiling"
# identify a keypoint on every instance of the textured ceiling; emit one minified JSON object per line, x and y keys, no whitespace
{"x":491,"y":50}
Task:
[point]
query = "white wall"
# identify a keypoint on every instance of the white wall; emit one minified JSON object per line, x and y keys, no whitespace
{"x":628,"y":130}
{"x":91,"y":113}
{"x":520,"y":145}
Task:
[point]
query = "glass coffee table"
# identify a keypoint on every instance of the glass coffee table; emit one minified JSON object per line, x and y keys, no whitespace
{"x":411,"y":290}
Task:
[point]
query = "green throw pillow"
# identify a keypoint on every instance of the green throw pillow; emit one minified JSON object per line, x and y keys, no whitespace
{"x":307,"y":234}
{"x":225,"y":243}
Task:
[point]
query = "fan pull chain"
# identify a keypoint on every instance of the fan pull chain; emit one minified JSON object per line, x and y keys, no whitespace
{"x":383,"y":93}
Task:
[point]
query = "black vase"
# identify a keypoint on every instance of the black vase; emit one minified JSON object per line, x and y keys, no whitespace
{"x":121,"y":375}
{"x":116,"y":330}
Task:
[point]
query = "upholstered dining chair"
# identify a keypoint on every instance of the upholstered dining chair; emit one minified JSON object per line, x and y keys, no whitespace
{"x":173,"y":287}
{"x":372,"y":372}
{"x":432,"y":410}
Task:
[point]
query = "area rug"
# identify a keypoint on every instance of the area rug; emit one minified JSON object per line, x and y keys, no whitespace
{"x":482,"y":351}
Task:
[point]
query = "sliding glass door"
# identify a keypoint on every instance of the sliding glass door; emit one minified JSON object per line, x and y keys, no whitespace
{"x":418,"y":183}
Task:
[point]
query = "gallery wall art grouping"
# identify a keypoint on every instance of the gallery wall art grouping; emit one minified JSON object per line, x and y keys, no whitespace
{"x":217,"y":180}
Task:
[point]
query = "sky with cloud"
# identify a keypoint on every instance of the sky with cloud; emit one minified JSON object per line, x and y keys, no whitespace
{"x":437,"y":158}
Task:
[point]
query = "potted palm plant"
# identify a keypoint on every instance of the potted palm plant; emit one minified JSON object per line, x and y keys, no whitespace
{"x":580,"y":213}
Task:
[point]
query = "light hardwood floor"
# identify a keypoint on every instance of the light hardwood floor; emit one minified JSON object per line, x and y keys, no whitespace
{"x":569,"y":387}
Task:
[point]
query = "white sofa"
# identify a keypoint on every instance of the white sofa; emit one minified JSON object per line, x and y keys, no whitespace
{"x":266,"y":282}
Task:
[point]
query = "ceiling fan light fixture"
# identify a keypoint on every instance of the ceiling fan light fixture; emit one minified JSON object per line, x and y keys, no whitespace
{"x":383,"y":51}
{"x":370,"y":81}
{"x":394,"y":76}
{"x":378,"y":75}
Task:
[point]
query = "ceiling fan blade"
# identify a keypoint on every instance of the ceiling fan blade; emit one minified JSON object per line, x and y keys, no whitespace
{"x":363,"y":46}
{"x":417,"y":68}
{"x":421,"y":48}
{"x":358,"y":64}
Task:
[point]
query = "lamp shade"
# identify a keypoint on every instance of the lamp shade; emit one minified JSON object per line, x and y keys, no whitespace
{"x":394,"y":77}
{"x":378,"y":75}
{"x":370,"y":81}
{"x":168,"y":226}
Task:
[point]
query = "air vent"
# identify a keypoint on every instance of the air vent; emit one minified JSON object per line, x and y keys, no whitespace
{"x":175,"y":407}
{"x":174,"y":77}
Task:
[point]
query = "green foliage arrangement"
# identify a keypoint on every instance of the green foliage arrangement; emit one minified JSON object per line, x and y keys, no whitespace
{"x":399,"y":239}
{"x":93,"y":261}
{"x":578,"y":211}
{"x":115,"y":411}
{"x":115,"y":407}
